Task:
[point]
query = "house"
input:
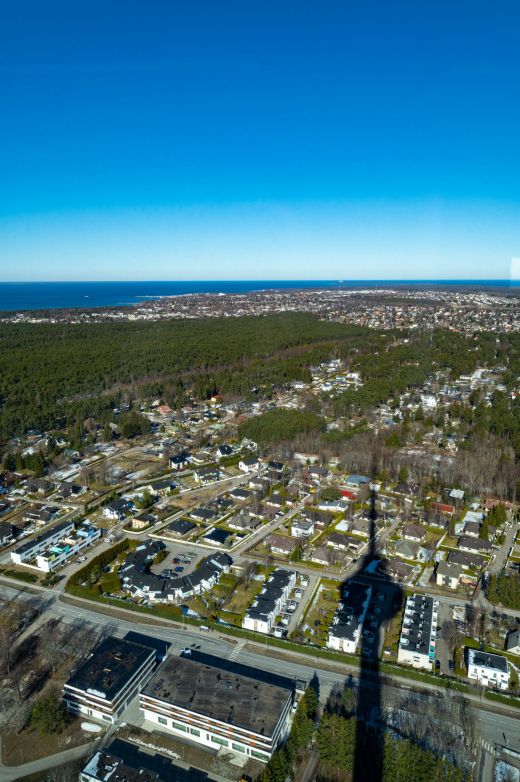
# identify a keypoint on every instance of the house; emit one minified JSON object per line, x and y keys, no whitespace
{"x":240,"y":494}
{"x":318,"y":474}
{"x":490,"y":670}
{"x":180,"y":528}
{"x":179,"y":461}
{"x":513,"y":642}
{"x":275,"y":501}
{"x":338,"y":541}
{"x":109,"y":679}
{"x":322,"y":556}
{"x":217,"y":537}
{"x":414,"y":532}
{"x":397,"y":569}
{"x":466,"y":543}
{"x":441,"y":507}
{"x":118,"y":509}
{"x":361,"y":527}
{"x":244,"y":521}
{"x":302,"y":528}
{"x":143,"y":520}
{"x":448,"y":574}
{"x":407,"y":549}
{"x":275,"y":467}
{"x":203,"y":514}
{"x":224,"y":451}
{"x":279,"y":544}
{"x":208,"y":475}
{"x":355,"y":482}
{"x":418,"y":630}
{"x":249,"y":464}
{"x":6,"y":534}
{"x":467,"y":561}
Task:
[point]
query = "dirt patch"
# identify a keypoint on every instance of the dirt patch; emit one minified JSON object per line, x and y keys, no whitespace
{"x":29,"y":745}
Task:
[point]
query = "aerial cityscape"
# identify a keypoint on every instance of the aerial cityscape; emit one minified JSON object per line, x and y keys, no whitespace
{"x":260,"y":392}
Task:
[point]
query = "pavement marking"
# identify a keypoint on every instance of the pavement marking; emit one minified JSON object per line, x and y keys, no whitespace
{"x":237,"y":649}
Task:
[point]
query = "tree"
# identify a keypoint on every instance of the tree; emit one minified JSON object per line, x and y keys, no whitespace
{"x":451,"y":634}
{"x":402,"y":476}
{"x":48,"y":715}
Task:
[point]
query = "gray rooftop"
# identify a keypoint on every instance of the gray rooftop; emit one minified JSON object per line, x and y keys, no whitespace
{"x":219,"y":694}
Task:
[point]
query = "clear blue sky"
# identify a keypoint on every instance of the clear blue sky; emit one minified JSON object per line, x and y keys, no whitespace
{"x":257,"y":139}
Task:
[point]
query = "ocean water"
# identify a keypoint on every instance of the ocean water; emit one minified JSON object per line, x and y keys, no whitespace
{"x":63,"y":295}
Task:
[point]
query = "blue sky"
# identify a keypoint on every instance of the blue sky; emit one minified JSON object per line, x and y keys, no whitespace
{"x":250,"y":140}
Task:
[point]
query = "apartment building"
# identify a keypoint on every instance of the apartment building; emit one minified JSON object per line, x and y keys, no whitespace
{"x":347,"y":625}
{"x":67,"y":547}
{"x":30,"y":550}
{"x":262,"y":613}
{"x":109,"y":679}
{"x":417,"y":641}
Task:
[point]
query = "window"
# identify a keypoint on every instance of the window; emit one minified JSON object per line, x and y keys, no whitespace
{"x":238,"y":747}
{"x":218,"y":740}
{"x":260,"y":755}
{"x":180,"y":726}
{"x":106,"y":717}
{"x":195,"y":732}
{"x":162,"y":720}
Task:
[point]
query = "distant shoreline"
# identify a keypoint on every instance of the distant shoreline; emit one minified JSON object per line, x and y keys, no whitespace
{"x":49,"y":296}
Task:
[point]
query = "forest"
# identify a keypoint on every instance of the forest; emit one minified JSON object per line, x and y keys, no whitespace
{"x":55,"y":374}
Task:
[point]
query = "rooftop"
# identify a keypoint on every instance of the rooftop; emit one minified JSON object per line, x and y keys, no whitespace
{"x":109,"y":667}
{"x":214,"y":691}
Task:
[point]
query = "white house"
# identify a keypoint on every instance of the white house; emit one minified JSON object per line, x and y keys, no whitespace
{"x":490,"y":670}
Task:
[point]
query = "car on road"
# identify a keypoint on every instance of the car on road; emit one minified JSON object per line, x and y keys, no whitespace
{"x":179,"y":569}
{"x":437,"y":665}
{"x":451,"y":665}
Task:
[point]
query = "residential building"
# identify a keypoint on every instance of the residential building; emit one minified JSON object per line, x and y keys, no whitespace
{"x":279,"y":544}
{"x":109,"y":679}
{"x":6,"y":534}
{"x":262,"y":613}
{"x":417,"y":641}
{"x":302,"y":528}
{"x":513,"y":642}
{"x":30,"y":550}
{"x":67,"y":547}
{"x":490,"y":670}
{"x":347,"y":625}
{"x":448,"y":574}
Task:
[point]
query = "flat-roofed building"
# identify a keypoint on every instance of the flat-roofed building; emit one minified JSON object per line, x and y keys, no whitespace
{"x":218,"y":707}
{"x":30,"y":550}
{"x":491,"y":670}
{"x":109,"y":679}
{"x":417,"y":641}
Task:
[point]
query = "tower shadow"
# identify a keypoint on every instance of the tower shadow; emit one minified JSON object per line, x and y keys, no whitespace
{"x":384,"y":602}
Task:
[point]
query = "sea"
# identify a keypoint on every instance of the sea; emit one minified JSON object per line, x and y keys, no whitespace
{"x":16,"y":296}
